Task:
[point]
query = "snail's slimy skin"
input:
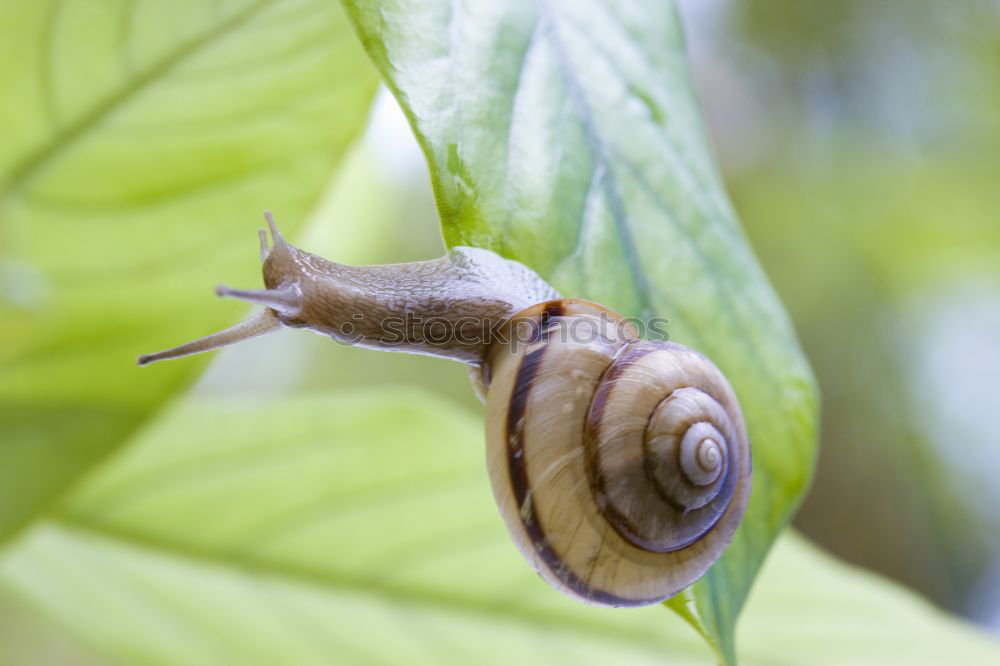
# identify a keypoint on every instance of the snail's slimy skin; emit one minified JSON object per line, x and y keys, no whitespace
{"x":453,"y":302}
{"x":621,"y":466}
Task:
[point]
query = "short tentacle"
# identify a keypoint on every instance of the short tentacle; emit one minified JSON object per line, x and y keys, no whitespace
{"x":276,"y":236}
{"x":262,"y":235}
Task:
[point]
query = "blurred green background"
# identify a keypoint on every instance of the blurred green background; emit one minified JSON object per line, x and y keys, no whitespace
{"x":860,"y":142}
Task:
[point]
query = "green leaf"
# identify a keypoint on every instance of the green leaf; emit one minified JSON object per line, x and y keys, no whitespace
{"x":142,"y":141}
{"x":359,"y":528}
{"x":565,"y":134}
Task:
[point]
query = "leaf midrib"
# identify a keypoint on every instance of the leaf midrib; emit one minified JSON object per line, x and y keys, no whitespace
{"x":621,"y":217}
{"x":595,"y":144}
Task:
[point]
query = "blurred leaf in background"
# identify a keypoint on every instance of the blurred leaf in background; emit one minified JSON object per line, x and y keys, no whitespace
{"x":145,"y":141}
{"x":861,"y":141}
{"x":311,"y":530}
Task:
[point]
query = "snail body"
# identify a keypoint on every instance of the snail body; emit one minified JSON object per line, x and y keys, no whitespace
{"x":621,"y":466}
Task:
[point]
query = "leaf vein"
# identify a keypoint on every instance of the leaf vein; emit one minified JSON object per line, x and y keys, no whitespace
{"x":34,"y":162}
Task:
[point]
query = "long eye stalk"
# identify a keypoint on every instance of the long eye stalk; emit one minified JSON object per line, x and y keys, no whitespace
{"x":259,"y":323}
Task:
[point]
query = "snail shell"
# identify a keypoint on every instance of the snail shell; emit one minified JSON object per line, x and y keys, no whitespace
{"x":621,"y":465}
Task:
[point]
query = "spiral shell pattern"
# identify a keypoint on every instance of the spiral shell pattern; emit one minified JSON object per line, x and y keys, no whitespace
{"x":621,"y":465}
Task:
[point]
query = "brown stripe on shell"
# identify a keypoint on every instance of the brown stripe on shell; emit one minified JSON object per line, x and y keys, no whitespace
{"x":520,"y":486}
{"x":628,"y":356}
{"x":551,"y":310}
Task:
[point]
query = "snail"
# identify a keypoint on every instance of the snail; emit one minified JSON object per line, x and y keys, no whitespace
{"x":621,"y":465}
